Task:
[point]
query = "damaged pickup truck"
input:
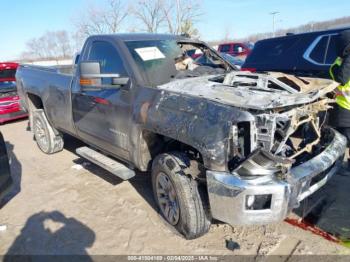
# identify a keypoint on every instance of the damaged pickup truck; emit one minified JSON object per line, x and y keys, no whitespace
{"x":239,"y":147}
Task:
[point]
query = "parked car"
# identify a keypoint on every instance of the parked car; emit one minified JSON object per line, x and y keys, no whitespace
{"x":240,"y":50}
{"x":308,"y":54}
{"x":239,"y":147}
{"x":205,"y":60}
{"x":233,"y":60}
{"x":10,"y":108}
{"x":5,"y":172}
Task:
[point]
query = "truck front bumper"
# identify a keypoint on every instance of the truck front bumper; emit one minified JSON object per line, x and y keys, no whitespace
{"x":235,"y":200}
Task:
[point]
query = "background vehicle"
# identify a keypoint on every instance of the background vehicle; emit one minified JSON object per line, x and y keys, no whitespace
{"x":241,"y":50}
{"x":10,"y":108}
{"x":204,"y":60}
{"x":308,"y":54}
{"x":5,"y":173}
{"x":218,"y":142}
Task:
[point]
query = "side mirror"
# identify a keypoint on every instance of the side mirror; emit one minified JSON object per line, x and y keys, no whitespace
{"x":90,"y":76}
{"x":90,"y":70}
{"x":120,"y":81}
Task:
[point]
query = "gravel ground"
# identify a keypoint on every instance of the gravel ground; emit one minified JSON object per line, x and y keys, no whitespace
{"x":62,"y":204}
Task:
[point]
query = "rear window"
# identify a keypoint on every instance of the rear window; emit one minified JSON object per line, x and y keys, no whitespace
{"x":7,"y":73}
{"x":271,"y":49}
{"x":225,"y":48}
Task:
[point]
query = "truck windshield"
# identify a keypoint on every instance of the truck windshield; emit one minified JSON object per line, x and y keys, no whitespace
{"x":161,"y":61}
{"x":155,"y":59}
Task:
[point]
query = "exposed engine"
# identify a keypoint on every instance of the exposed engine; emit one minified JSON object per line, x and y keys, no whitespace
{"x":282,"y":137}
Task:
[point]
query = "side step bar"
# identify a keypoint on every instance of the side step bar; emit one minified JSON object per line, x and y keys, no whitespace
{"x":109,"y":164}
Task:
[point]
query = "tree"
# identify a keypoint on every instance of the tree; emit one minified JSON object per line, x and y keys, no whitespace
{"x":53,"y":44}
{"x":150,"y":14}
{"x":173,"y":16}
{"x":180,"y":16}
{"x":187,"y":28}
{"x":102,"y":21}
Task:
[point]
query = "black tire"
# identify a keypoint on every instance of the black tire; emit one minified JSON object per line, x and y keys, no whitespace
{"x":47,"y":138}
{"x":193,"y":221}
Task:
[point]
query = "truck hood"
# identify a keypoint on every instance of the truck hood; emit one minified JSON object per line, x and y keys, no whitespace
{"x":254,"y":91}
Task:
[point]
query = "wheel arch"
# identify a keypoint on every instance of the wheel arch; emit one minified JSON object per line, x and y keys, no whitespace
{"x":152,"y":144}
{"x":34,"y":102}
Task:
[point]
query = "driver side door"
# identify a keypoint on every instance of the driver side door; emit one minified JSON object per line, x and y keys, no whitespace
{"x":101,"y":115}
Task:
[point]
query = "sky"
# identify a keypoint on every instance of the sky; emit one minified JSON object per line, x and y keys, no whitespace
{"x":22,"y":20}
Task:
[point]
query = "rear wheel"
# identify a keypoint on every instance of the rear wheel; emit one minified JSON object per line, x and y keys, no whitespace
{"x":48,"y":139}
{"x":177,"y":195}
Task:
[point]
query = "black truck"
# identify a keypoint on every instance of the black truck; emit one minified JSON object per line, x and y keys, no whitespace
{"x":239,"y":147}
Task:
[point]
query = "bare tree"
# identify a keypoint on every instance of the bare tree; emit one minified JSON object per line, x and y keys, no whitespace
{"x":181,"y":15}
{"x":188,"y":29}
{"x":64,"y":45}
{"x":175,"y":16}
{"x":102,"y":20}
{"x":53,"y":44}
{"x":150,"y":14}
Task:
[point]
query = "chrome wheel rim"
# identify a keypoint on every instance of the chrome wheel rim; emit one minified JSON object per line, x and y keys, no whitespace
{"x":40,"y":135}
{"x":167,"y":198}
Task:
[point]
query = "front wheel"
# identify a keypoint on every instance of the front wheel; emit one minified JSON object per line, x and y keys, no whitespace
{"x":48,"y":139}
{"x":177,"y":195}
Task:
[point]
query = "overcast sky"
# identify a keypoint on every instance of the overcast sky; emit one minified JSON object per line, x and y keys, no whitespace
{"x":21,"y":20}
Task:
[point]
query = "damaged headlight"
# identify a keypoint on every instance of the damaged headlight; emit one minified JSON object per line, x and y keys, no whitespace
{"x":243,"y":140}
{"x":263,"y":163}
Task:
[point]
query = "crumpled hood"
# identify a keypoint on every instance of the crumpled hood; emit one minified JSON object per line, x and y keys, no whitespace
{"x":254,"y":91}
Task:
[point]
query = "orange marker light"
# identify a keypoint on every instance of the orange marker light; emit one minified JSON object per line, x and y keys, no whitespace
{"x":86,"y":82}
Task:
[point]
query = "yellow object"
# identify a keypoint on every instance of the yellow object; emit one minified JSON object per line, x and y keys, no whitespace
{"x":343,"y":94}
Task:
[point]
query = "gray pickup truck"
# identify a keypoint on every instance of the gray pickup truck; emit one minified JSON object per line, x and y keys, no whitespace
{"x":239,"y":147}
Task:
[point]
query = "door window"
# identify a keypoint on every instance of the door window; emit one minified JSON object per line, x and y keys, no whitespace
{"x":108,"y":56}
{"x":332,"y":50}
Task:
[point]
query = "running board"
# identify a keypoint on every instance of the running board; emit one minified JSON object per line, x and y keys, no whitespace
{"x":109,"y":164}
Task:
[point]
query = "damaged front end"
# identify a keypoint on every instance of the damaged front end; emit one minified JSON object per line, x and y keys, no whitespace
{"x":276,"y":161}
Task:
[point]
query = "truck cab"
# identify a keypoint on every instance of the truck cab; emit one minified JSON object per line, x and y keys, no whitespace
{"x":240,"y":50}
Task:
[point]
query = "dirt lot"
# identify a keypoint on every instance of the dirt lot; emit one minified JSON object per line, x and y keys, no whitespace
{"x":64,"y":205}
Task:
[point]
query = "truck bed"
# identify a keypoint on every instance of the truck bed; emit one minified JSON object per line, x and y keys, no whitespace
{"x":52,"y":85}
